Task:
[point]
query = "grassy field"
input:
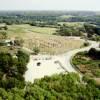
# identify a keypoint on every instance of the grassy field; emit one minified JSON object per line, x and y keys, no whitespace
{"x":43,"y":38}
{"x":27,"y":28}
{"x":72,"y":24}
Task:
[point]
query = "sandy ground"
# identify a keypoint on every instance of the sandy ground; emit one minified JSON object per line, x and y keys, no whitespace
{"x":47,"y":67}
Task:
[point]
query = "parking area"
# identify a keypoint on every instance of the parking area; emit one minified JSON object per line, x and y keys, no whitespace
{"x":40,"y":66}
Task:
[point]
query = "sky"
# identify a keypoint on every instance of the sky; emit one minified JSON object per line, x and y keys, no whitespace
{"x":90,"y":5}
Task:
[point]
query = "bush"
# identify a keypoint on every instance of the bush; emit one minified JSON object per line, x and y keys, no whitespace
{"x":36,"y":50}
{"x":86,"y":44}
{"x":94,"y":53}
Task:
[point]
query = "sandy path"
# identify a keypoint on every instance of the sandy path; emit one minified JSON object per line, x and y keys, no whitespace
{"x":66,"y":58}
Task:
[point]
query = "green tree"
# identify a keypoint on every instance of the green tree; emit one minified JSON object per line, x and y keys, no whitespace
{"x":3,"y":34}
{"x":36,"y":50}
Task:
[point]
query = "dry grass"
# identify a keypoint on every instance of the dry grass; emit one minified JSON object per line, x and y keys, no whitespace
{"x":24,"y":28}
{"x":43,"y":38}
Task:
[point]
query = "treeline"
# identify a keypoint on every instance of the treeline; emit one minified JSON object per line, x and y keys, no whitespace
{"x":88,"y":30}
{"x":24,"y":18}
{"x":65,"y":30}
{"x":91,"y":19}
{"x":44,"y":24}
{"x":92,"y":29}
{"x":57,"y":87}
{"x":47,"y":16}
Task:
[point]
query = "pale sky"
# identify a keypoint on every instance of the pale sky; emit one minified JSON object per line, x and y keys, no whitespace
{"x":93,"y":5}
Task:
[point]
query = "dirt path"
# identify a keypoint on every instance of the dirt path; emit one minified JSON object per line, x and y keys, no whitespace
{"x":66,"y":58}
{"x":49,"y":67}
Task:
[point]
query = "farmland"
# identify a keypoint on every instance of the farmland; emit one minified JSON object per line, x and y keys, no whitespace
{"x":43,"y":38}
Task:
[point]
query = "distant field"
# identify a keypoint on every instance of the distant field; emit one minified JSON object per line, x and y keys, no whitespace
{"x":43,"y":38}
{"x":27,"y":28}
{"x":65,"y":16}
{"x":43,"y":30}
{"x":78,"y":24}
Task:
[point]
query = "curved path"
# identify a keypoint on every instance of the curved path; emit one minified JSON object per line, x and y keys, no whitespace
{"x":49,"y":67}
{"x":67,"y":57}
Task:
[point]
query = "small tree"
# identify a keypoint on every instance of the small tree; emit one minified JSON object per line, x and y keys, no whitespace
{"x":18,"y":42}
{"x":3,"y":35}
{"x":36,"y":50}
{"x":86,"y":44}
{"x":92,"y":52}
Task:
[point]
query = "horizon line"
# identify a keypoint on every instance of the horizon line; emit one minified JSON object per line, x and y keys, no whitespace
{"x":56,"y":10}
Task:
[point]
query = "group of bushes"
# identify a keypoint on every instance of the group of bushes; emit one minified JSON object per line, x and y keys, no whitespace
{"x":95,"y":54}
{"x":12,"y":69}
{"x":65,"y":30}
{"x":88,"y":62}
{"x":90,"y":31}
{"x":57,"y":87}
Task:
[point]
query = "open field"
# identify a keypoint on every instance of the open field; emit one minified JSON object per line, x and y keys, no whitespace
{"x":43,"y":38}
{"x":24,"y":28}
{"x":72,"y":24}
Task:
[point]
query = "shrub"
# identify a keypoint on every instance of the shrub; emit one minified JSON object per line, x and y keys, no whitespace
{"x":86,"y":44}
{"x":36,"y":50}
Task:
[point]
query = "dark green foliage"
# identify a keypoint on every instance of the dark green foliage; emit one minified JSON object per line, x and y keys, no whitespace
{"x":44,"y":24}
{"x":36,"y":50}
{"x":91,"y":29}
{"x":69,"y":31}
{"x":12,"y":70}
{"x":22,"y":56}
{"x":95,"y":54}
{"x":3,"y":34}
{"x":48,"y":17}
{"x":57,"y":87}
{"x":23,"y":59}
{"x":88,"y":62}
{"x":6,"y":62}
{"x":86,"y":44}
